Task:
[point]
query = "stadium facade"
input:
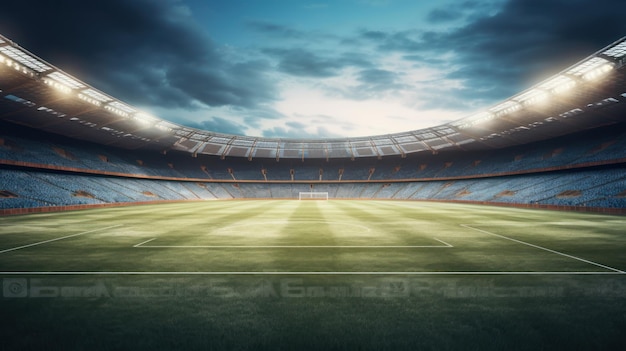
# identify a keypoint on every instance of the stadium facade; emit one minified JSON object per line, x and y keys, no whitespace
{"x":560,"y":144}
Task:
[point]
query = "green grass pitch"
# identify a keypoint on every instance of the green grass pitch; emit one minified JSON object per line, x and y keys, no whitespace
{"x":332,"y":274}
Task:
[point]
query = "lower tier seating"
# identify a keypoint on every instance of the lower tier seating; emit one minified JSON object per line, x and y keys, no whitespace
{"x":603,"y":187}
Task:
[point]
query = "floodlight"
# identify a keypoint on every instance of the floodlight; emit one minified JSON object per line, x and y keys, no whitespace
{"x":66,"y":80}
{"x":591,"y":68}
{"x":122,"y":107}
{"x":558,"y":84}
{"x":25,"y":59}
{"x":116,"y":111}
{"x":591,"y":75}
{"x":89,"y":99}
{"x":477,"y":118}
{"x":96,"y":95}
{"x":531,"y":96}
{"x":617,"y":51}
{"x":165,"y":126}
{"x":145,"y":119}
{"x":506,"y":107}
{"x":58,"y":86}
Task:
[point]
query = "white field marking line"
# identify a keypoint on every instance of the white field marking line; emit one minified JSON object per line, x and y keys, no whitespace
{"x":56,"y":239}
{"x":25,"y":273}
{"x":545,"y":249}
{"x":141,"y":245}
{"x":145,"y":242}
{"x":443,"y":242}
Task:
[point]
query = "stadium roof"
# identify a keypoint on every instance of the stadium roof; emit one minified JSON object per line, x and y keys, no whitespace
{"x":589,"y":94}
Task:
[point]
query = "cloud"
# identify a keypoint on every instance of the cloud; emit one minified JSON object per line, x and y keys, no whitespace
{"x":444,"y":15}
{"x":463,"y":10}
{"x":531,"y":39}
{"x":499,"y":53}
{"x":222,"y":125}
{"x":305,"y":63}
{"x":275,"y":29}
{"x":296,"y":132}
{"x":375,"y":83}
{"x":144,"y":52}
{"x":456,"y":57}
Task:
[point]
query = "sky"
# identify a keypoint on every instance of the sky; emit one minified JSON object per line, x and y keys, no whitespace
{"x":312,"y":68}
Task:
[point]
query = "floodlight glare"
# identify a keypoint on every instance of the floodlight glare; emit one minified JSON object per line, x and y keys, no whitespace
{"x":506,"y":107}
{"x":144,"y":119}
{"x":532,"y":96}
{"x":96,"y":95}
{"x":116,"y":111}
{"x":598,"y":72}
{"x":58,"y":86}
{"x":66,"y":80}
{"x":24,"y":58}
{"x":477,"y":118}
{"x":558,"y":84}
{"x":591,"y":68}
{"x":89,"y":100}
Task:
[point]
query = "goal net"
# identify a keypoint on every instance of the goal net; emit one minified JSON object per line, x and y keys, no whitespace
{"x":313,"y":195}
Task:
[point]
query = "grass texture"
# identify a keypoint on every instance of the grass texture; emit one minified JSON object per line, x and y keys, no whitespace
{"x":335,"y":275}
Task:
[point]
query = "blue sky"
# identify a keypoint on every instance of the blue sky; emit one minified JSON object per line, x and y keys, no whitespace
{"x":312,"y":69}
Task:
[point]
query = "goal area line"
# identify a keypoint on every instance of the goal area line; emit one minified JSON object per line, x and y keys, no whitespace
{"x":143,"y":245}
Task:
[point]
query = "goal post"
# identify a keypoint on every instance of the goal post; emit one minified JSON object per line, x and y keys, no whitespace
{"x":313,"y":195}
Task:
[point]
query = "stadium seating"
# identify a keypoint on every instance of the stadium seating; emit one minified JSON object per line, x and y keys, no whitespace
{"x":45,"y":170}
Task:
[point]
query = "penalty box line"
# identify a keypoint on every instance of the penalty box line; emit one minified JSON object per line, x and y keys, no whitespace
{"x":543,"y":248}
{"x":143,"y":245}
{"x":57,"y":239}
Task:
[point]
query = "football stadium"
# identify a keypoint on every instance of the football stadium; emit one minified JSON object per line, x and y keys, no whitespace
{"x":503,"y":229}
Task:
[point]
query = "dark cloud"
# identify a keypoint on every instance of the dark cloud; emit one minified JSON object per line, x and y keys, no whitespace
{"x":240,"y":84}
{"x":145,"y":52}
{"x":462,"y":10}
{"x":375,"y":83}
{"x":221,"y":125}
{"x":402,"y":41}
{"x":377,"y":77}
{"x":444,"y":15}
{"x":305,"y":63}
{"x":497,"y":55}
{"x":424,"y":59}
{"x":374,"y":35}
{"x":276,"y":30}
{"x":154,"y":53}
{"x":531,"y":39}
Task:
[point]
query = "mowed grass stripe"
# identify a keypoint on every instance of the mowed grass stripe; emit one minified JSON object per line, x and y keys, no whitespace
{"x":319,"y":223}
{"x":193,"y":225}
{"x":396,"y":227}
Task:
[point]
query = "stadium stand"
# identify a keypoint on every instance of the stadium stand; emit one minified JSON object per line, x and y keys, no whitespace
{"x":57,"y":171}
{"x":56,"y":158}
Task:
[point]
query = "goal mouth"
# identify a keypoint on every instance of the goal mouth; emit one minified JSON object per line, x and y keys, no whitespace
{"x":313,"y":195}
